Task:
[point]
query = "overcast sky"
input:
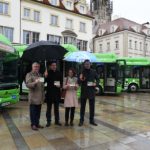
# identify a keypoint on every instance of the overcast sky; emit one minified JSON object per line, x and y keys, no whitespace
{"x":136,"y":10}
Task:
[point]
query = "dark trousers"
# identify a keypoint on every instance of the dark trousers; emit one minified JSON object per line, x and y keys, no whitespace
{"x":69,"y":111}
{"x":35,"y":111}
{"x":56,"y":111}
{"x":91,"y":109}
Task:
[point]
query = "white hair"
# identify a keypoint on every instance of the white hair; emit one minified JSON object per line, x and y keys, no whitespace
{"x":35,"y":63}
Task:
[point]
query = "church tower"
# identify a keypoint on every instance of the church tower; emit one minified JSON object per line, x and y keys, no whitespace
{"x":101,"y":10}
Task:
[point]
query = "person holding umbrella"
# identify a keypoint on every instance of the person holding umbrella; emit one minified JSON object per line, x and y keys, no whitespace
{"x":36,"y":94}
{"x":54,"y":83}
{"x":88,"y":80}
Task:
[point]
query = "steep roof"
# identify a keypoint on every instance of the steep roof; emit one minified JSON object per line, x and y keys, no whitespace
{"x":122,"y":24}
{"x":62,"y":7}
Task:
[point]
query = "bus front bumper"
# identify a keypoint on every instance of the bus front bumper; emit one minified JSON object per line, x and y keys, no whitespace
{"x":11,"y":99}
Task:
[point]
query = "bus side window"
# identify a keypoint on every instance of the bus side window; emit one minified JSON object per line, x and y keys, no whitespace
{"x":100,"y":72}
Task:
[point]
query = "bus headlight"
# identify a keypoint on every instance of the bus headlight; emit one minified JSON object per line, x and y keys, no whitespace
{"x":126,"y":83}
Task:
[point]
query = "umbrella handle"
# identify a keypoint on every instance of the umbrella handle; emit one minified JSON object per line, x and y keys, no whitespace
{"x":45,"y":65}
{"x":46,"y":72}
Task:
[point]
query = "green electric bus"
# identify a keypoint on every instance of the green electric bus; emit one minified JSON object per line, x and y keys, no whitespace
{"x":109,"y":73}
{"x":136,"y":74}
{"x":22,"y":68}
{"x":9,"y":88}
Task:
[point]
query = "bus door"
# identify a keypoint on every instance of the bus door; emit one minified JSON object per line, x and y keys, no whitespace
{"x":121,"y":66}
{"x":110,"y":75}
{"x":100,"y":72}
{"x":145,"y":77}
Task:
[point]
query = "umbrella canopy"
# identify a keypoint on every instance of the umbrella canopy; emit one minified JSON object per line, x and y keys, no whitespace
{"x":5,"y":44}
{"x":80,"y":56}
{"x":43,"y":51}
{"x":70,"y":47}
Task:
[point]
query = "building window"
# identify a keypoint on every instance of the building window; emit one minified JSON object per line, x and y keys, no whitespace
{"x":79,"y":44}
{"x":100,"y":32}
{"x":140,"y":46}
{"x":130,"y":44}
{"x":69,"y":40}
{"x":54,"y":20}
{"x":26,"y":13}
{"x":135,"y":45}
{"x":69,"y":4}
{"x":100,"y":47}
{"x":37,"y":16}
{"x":112,"y":29}
{"x":116,"y":44}
{"x":69,"y":24}
{"x":82,"y":9}
{"x":35,"y":37}
{"x":7,"y":31}
{"x":146,"y":47}
{"x":82,"y":45}
{"x":108,"y":46}
{"x":54,"y":39}
{"x":30,"y":37}
{"x":82,"y":27}
{"x":54,"y":2}
{"x":4,"y":8}
{"x":26,"y":37}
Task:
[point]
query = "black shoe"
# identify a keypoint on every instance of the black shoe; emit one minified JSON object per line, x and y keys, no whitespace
{"x":58,"y":123}
{"x":81,"y":124}
{"x":93,"y":123}
{"x":71,"y":124}
{"x":39,"y":126}
{"x":48,"y":124}
{"x":34,"y":128}
{"x":66,"y":124}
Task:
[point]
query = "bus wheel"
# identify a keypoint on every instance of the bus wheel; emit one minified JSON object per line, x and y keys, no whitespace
{"x":133,"y":88}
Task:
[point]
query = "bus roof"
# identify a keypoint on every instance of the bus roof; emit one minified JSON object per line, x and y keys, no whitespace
{"x":70,"y":47}
{"x":20,"y":48}
{"x":141,"y":61}
{"x":5,"y":44}
{"x":106,"y":57}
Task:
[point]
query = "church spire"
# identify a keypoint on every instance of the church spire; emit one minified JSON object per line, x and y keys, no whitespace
{"x":101,"y":10}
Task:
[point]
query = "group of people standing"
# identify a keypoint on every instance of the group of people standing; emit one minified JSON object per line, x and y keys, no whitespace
{"x":87,"y":79}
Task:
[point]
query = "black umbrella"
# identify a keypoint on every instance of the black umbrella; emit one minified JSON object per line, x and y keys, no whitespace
{"x":43,"y":51}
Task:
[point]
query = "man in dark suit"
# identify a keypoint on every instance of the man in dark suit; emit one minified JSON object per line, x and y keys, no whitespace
{"x":88,"y":80}
{"x":54,"y":83}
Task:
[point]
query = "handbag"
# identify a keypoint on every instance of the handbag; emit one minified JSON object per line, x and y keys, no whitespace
{"x":63,"y":92}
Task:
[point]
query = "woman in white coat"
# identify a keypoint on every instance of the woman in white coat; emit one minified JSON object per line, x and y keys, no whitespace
{"x":71,"y":100}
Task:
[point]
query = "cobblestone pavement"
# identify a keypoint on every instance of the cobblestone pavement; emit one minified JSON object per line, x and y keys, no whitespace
{"x":123,"y":124}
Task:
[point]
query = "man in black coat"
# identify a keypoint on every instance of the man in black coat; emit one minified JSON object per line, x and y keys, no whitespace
{"x":88,"y":80}
{"x":54,"y":83}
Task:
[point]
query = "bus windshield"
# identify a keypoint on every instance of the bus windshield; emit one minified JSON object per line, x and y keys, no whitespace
{"x":8,"y":68}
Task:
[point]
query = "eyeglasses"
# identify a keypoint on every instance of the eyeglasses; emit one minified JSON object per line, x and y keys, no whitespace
{"x":36,"y":66}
